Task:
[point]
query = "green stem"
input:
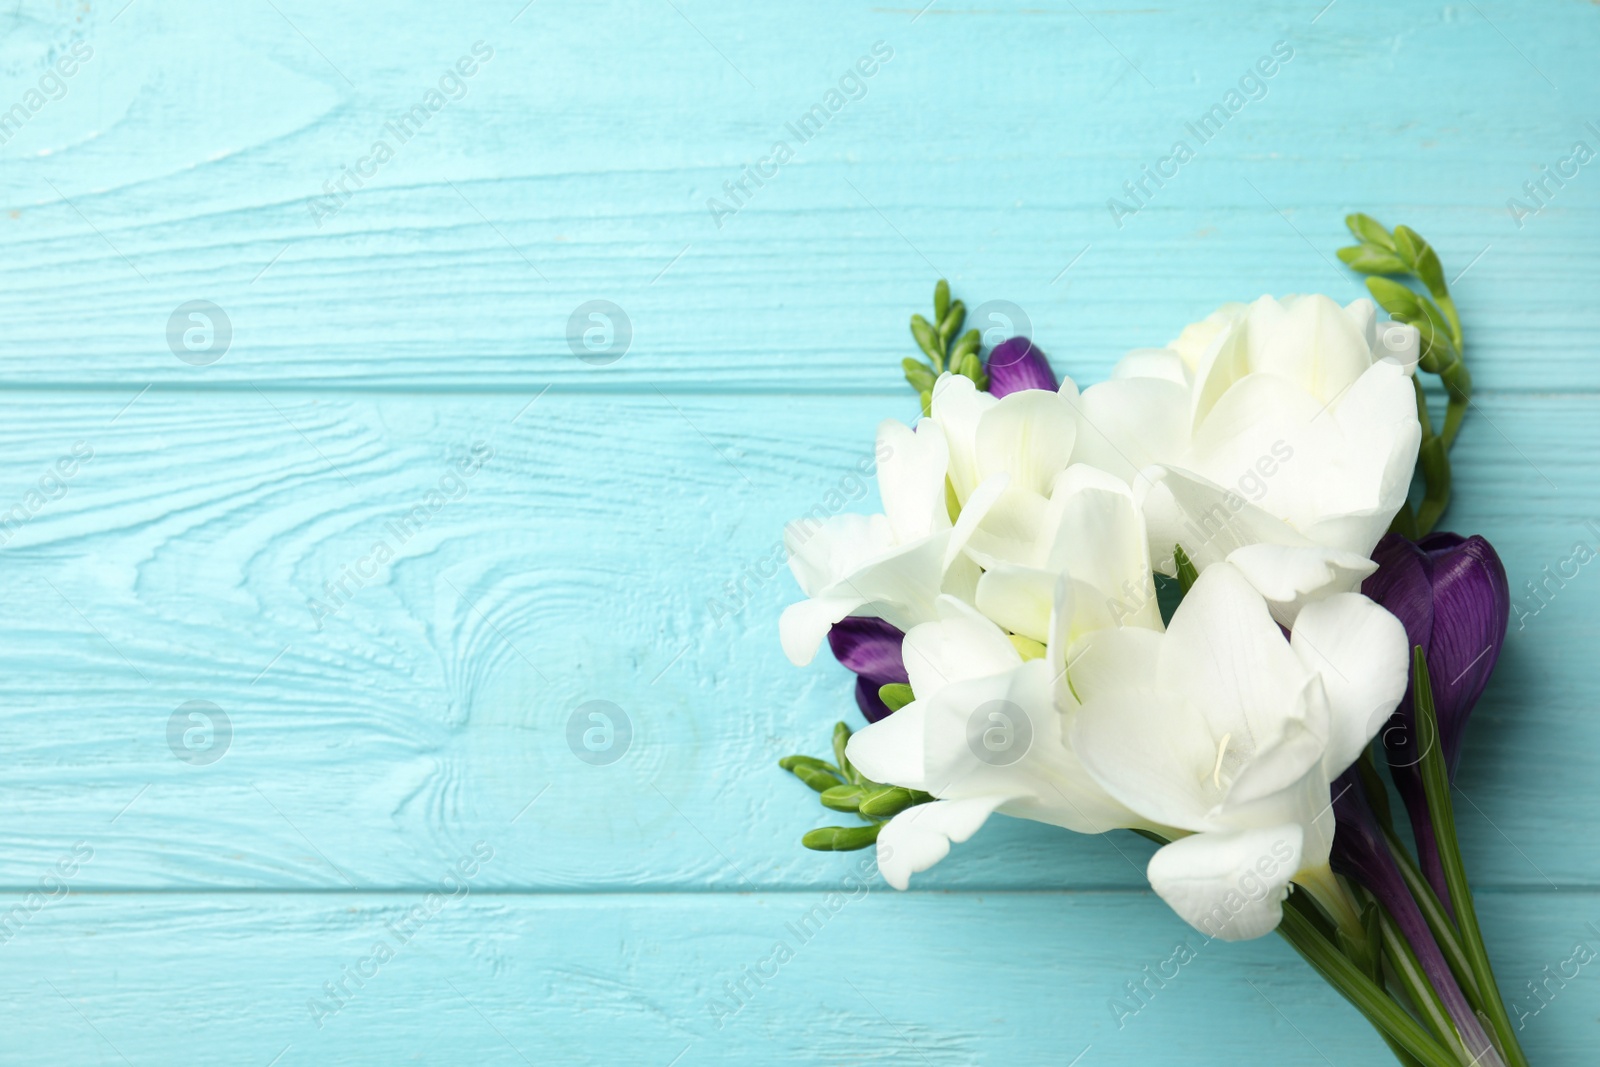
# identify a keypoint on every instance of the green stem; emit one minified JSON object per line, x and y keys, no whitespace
{"x":1440,"y":924}
{"x":1457,"y":382}
{"x":1409,"y":971}
{"x":1370,"y":1000}
{"x":1436,"y":784}
{"x":1435,"y":463}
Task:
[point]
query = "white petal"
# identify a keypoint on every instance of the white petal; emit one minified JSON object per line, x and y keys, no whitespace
{"x":1018,"y":598}
{"x":1015,"y":529}
{"x":1223,"y":647}
{"x":1164,"y":363}
{"x":890,"y":750}
{"x":1151,"y":751}
{"x":919,"y":837}
{"x":974,"y":513}
{"x":802,"y":626}
{"x":1229,"y":886}
{"x":822,"y":551}
{"x":956,"y":406}
{"x":1308,"y":340}
{"x":1197,"y":345}
{"x":1028,"y":435}
{"x":1107,"y":661}
{"x":1101,"y":541}
{"x":1002,"y":736}
{"x":1364,"y":314}
{"x":1291,"y":577}
{"x":960,"y":644}
{"x":911,"y":475}
{"x":1380,"y":435}
{"x":1362,"y":653}
{"x":1210,"y":522}
{"x":1128,"y":424}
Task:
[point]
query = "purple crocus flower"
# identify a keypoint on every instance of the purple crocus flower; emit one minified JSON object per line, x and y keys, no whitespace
{"x":1450,"y":593}
{"x":1018,"y":364}
{"x":871,"y":648}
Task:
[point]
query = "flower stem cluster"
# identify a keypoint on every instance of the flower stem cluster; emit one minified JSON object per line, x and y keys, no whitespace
{"x":841,"y":787}
{"x":1384,"y":257}
{"x":935,"y":339}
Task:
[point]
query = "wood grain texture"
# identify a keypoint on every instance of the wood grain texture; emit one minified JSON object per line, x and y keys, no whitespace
{"x":615,"y":540}
{"x":998,"y":979}
{"x":590,"y":557}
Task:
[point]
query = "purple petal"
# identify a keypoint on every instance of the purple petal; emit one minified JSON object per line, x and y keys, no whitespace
{"x":1402,"y":584}
{"x":1471,"y":604}
{"x":1018,"y":364}
{"x":870,"y":648}
{"x":868,"y":700}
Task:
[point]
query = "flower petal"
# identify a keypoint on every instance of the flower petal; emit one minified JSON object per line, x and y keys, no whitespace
{"x":1028,"y":435}
{"x":802,"y":626}
{"x":1018,"y":598}
{"x":1471,"y":606}
{"x":822,"y":552}
{"x":1308,"y":340}
{"x":869,"y":647}
{"x":911,"y":475}
{"x":920,"y":837}
{"x":890,"y":750}
{"x":1129,"y":423}
{"x":1292,"y":576}
{"x":1229,"y":886}
{"x":956,"y":406}
{"x":1150,"y":751}
{"x":1018,"y":364}
{"x":1223,"y":644}
{"x":1360,"y":651}
{"x":1210,"y":522}
{"x":960,"y":644}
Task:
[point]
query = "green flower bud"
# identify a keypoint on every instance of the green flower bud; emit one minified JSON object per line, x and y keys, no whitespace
{"x":1396,"y":299}
{"x":1369,"y":230}
{"x":950,"y":325}
{"x":927,"y":341}
{"x":842,"y":838}
{"x":843,"y":797}
{"x":841,"y":737}
{"x":896,"y":694}
{"x":1370,"y":259}
{"x":886,"y":801}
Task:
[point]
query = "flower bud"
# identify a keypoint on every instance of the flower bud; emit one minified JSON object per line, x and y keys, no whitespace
{"x":1019,"y":364}
{"x":870,"y":648}
{"x":1451,"y":595}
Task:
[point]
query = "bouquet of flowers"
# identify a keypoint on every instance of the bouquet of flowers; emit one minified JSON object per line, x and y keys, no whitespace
{"x":1203,"y":601}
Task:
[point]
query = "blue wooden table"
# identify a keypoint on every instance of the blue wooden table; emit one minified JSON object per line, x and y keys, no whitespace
{"x":399,"y":408}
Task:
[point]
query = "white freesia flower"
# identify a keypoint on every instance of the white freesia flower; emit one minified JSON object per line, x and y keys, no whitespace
{"x":1284,"y":436}
{"x":1222,"y":728}
{"x":983,"y":735}
{"x":999,"y":458}
{"x":988,"y":728}
{"x":1029,"y":437}
{"x":892,"y":565}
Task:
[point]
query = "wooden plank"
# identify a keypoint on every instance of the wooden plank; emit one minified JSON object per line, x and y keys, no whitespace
{"x":551,"y":183}
{"x":868,"y":978}
{"x":588,"y":558}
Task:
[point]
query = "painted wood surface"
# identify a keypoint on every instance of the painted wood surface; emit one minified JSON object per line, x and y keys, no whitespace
{"x":389,"y":710}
